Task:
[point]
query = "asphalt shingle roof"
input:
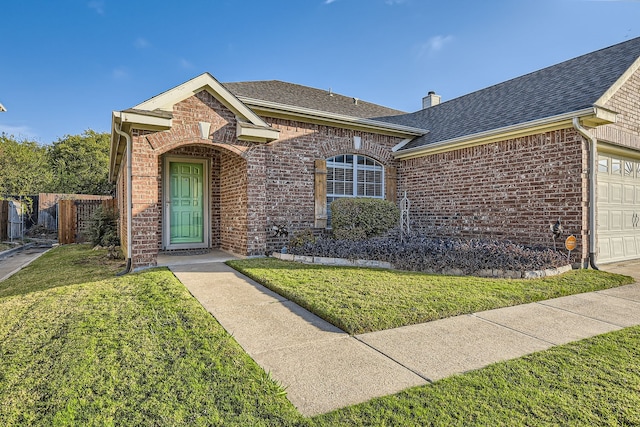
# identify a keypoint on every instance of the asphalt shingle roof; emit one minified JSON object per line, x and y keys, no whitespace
{"x":308,"y":97}
{"x":570,"y":86}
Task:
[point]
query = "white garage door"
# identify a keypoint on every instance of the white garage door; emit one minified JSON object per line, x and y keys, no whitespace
{"x":618,"y":208}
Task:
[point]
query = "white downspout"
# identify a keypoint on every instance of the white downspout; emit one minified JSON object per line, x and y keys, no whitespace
{"x":593,"y":167}
{"x":129,"y":208}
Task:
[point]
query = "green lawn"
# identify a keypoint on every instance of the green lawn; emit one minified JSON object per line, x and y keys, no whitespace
{"x":139,"y":350}
{"x":359,"y":300}
{"x":71,"y":264}
{"x":134,"y":350}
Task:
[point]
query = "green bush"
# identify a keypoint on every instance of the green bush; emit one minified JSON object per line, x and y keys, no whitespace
{"x":302,"y":237}
{"x":104,"y":227}
{"x":361,"y":218}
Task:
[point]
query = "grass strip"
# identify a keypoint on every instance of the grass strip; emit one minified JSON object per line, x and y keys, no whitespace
{"x":360,"y":300}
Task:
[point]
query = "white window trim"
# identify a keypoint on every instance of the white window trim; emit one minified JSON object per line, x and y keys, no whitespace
{"x":357,"y":167}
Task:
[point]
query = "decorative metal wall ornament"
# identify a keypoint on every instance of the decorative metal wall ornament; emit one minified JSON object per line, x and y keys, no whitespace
{"x":280,"y":230}
{"x":556,"y":230}
{"x":405,"y":229}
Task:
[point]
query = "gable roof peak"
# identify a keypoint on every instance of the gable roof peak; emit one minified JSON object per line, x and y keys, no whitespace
{"x":205,"y":81}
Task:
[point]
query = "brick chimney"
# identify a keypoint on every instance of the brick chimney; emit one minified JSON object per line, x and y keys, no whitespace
{"x":430,"y":100}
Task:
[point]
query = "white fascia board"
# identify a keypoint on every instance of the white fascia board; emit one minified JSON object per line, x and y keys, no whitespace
{"x":602,"y":116}
{"x":130,"y":120}
{"x":143,"y":121}
{"x":341,"y":119}
{"x":166,"y":100}
{"x":2,"y":109}
{"x":619,"y":150}
{"x":401,"y":144}
{"x":250,"y":132}
{"x":499,"y":134}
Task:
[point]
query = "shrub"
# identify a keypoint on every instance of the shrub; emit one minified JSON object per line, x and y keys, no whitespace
{"x":302,"y":237}
{"x":436,"y":255}
{"x":104,"y":227}
{"x":362,"y":218}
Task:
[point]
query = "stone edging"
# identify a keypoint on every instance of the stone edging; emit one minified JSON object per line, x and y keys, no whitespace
{"x":343,"y":262}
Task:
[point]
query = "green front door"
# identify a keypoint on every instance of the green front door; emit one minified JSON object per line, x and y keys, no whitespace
{"x":186,"y":224}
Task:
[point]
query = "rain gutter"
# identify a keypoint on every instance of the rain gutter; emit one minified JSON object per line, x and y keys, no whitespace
{"x":593,"y":158}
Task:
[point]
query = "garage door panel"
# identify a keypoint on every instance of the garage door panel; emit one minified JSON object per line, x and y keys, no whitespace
{"x":603,"y":191}
{"x":630,"y":245}
{"x":603,"y":220}
{"x":617,"y":247}
{"x":615,"y":193}
{"x":618,"y":207}
{"x":604,"y":248}
{"x":616,"y":221}
{"x":629,"y":194}
{"x":629,"y":220}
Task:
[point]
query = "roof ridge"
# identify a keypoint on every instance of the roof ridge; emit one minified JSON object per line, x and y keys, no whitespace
{"x":295,"y":94}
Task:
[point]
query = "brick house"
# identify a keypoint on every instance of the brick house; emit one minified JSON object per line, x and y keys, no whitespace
{"x":234,"y":166}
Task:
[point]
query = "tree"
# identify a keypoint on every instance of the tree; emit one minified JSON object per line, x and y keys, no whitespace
{"x":80,"y":163}
{"x":24,"y":167}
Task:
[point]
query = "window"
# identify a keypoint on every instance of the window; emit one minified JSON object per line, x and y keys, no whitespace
{"x":628,"y":168}
{"x":603,"y":165}
{"x":616,"y":166}
{"x":351,"y":175}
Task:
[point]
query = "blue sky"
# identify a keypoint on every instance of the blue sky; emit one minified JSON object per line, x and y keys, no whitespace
{"x":66,"y":64}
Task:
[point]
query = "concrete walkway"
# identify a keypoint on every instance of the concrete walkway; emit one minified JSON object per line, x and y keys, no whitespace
{"x":15,"y":260}
{"x":324,"y":368}
{"x":628,"y":268}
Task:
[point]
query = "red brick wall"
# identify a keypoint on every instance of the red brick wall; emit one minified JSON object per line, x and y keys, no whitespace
{"x":510,"y":189}
{"x":182,"y":139}
{"x":144,"y":166}
{"x":290,"y":168}
{"x":254,"y":186}
{"x":626,"y":102}
{"x":233,"y":203}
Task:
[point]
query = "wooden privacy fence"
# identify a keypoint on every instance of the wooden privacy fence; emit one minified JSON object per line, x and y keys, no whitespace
{"x":75,"y":218}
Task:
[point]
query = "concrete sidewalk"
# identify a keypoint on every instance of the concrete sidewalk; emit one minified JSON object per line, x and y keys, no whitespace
{"x":324,"y":368}
{"x":16,"y":260}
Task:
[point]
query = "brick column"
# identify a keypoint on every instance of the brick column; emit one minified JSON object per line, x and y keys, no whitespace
{"x":256,"y":201}
{"x":145,"y":204}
